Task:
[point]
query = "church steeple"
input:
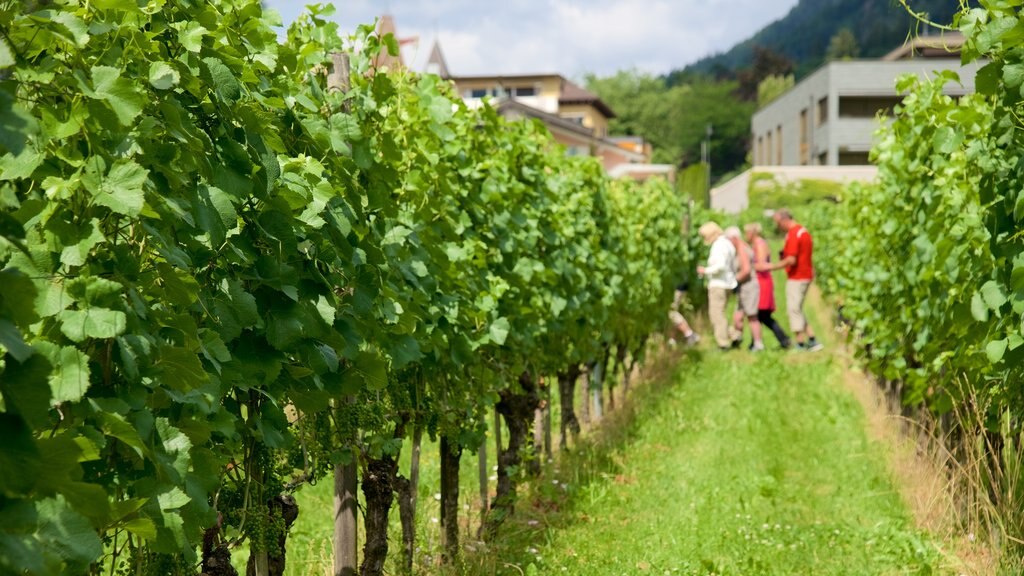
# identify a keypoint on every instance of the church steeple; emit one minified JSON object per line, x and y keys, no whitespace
{"x":436,"y":64}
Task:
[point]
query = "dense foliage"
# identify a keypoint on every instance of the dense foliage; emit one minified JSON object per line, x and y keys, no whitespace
{"x":204,"y":250}
{"x":929,"y":262}
{"x":674,"y":117}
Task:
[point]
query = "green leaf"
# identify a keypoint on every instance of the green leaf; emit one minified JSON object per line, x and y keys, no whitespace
{"x":173,"y":499}
{"x":6,"y":56}
{"x":181,"y":368}
{"x":69,"y":378}
{"x":78,"y":325}
{"x":20,"y":166}
{"x":994,"y":295}
{"x":73,"y":24}
{"x":191,"y":35}
{"x":996,"y":350}
{"x":499,"y":331}
{"x":119,"y":5}
{"x":223,"y":80}
{"x":122,"y":190}
{"x":121,"y":94}
{"x":68,"y":533}
{"x":19,"y":459}
{"x":142,"y":527}
{"x":978,"y":308}
{"x":163,"y":76}
{"x":368,"y":370}
{"x":10,"y":338}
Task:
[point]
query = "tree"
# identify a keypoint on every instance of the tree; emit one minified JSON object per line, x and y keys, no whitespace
{"x":767,"y":62}
{"x":772,"y":87}
{"x":843,"y":46}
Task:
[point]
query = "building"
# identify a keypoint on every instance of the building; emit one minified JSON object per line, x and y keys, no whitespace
{"x":830,"y":118}
{"x":577,"y":118}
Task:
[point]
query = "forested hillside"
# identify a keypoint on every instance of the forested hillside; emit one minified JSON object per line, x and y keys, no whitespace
{"x":804,"y":34}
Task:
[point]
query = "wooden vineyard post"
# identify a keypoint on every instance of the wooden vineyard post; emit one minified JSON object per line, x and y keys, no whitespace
{"x":346,"y":476}
{"x":483,"y":473}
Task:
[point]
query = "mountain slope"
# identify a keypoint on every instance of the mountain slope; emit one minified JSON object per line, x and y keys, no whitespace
{"x":803,"y":35}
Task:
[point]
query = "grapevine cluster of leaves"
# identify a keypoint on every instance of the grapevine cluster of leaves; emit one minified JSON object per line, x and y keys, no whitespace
{"x":216,"y":271}
{"x":930,"y":262}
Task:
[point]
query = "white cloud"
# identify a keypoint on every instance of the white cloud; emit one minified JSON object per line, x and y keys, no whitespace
{"x":571,"y":37}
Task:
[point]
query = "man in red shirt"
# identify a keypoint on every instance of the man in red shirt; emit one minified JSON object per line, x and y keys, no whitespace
{"x":797,"y":260}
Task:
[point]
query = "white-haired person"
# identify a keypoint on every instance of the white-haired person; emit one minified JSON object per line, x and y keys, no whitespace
{"x":721,"y":279}
{"x":748,"y":293}
{"x":762,"y":268}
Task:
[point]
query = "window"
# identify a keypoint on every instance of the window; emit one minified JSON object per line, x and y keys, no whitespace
{"x":822,"y":111}
{"x":577,"y":118}
{"x":805,"y":149}
{"x":867,"y":106}
{"x":759,"y":151}
{"x":778,"y":145}
{"x":524,"y":91}
{"x":478,"y":93}
{"x":768,"y":149}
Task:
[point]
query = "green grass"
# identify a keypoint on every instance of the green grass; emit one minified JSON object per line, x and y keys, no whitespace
{"x":752,"y":466}
{"x":721,"y":464}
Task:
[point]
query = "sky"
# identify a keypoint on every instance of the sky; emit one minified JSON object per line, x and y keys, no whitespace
{"x":570,"y":37}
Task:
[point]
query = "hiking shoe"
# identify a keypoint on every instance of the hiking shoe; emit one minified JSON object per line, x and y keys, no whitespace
{"x":815,"y":347}
{"x":693,"y":338}
{"x":757,"y":347}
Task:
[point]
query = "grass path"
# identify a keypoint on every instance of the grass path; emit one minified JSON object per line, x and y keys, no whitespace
{"x":726,"y":464}
{"x":742,"y":465}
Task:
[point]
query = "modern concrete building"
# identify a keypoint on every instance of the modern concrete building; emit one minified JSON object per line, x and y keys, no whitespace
{"x":830,"y":118}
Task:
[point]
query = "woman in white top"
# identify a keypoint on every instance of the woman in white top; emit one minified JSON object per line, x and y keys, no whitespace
{"x":721,"y":279}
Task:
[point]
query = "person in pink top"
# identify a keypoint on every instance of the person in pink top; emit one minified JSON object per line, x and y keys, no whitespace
{"x":762,"y":265}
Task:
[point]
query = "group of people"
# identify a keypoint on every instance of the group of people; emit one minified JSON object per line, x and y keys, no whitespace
{"x":740,"y":263}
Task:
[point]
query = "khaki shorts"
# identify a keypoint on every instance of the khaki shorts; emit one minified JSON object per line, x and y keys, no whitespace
{"x":796,"y":293}
{"x":749,"y":296}
{"x":676,"y":317}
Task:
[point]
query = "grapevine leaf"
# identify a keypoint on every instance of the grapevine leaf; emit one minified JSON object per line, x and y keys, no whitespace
{"x":75,"y":254}
{"x":119,"y":5}
{"x":368,"y":370}
{"x":181,"y":368}
{"x":88,"y":499}
{"x":22,"y":165}
{"x":119,"y":93}
{"x":115,"y":426}
{"x":163,"y":76}
{"x":223,"y":81}
{"x":79,"y":325}
{"x":6,"y":56}
{"x":142,"y":527}
{"x":26,"y":390}
{"x":122,"y":189}
{"x":405,"y":351}
{"x":69,"y":378}
{"x":499,"y":331}
{"x":19,"y":460}
{"x":996,"y":350}
{"x":191,"y":35}
{"x":93,"y":289}
{"x":173,"y":499}
{"x":73,"y":24}
{"x":978,"y":308}
{"x":994,"y":295}
{"x":10,"y":338}
{"x":67,"y":532}
{"x":15,"y":124}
